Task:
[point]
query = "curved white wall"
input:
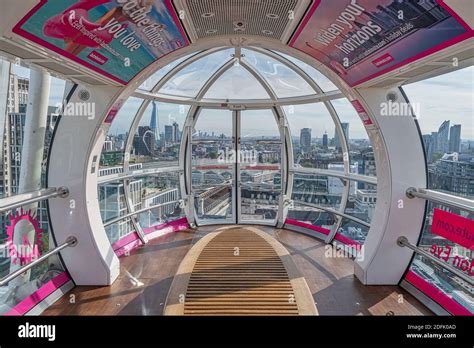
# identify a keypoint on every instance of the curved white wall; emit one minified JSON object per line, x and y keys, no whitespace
{"x":78,"y":140}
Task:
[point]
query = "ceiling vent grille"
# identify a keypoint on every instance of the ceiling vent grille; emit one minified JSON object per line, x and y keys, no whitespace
{"x":269,"y":18}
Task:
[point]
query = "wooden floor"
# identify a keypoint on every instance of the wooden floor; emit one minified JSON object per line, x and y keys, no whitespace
{"x":238,"y":271}
{"x":147,"y":274}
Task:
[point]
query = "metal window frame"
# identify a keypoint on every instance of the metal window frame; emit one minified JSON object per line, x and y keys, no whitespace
{"x":198,"y":103}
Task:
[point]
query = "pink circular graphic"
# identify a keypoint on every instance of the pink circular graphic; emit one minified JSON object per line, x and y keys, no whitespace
{"x":33,"y":250}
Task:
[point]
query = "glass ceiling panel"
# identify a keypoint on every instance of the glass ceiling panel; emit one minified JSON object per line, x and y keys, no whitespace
{"x":157,"y":76}
{"x":323,"y":82}
{"x":284,"y":81}
{"x":237,"y":83}
{"x":190,"y":80}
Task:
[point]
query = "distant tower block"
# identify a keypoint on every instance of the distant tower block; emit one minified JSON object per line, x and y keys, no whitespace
{"x":154,"y":123}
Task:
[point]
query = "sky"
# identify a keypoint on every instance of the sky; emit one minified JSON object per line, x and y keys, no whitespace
{"x":446,"y":97}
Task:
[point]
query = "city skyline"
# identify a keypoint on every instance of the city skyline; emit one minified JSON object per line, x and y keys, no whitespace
{"x":456,"y":105}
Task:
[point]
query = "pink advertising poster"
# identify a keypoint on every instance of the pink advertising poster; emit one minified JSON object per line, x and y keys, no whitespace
{"x":362,"y":39}
{"x":115,"y":38}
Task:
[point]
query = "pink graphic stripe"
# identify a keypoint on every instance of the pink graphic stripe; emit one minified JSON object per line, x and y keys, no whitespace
{"x":307,"y":226}
{"x":174,"y":226}
{"x":132,"y":240}
{"x":436,"y":294}
{"x":346,"y":240}
{"x":39,"y":295}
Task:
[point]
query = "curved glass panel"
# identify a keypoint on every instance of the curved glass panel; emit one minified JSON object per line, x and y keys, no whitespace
{"x":113,"y":205}
{"x":311,"y":216}
{"x":351,"y":233}
{"x":190,"y":80}
{"x":151,"y":82}
{"x":444,"y":106}
{"x":236,"y":83}
{"x":311,"y":128}
{"x":259,"y":165}
{"x":213,"y":160}
{"x":452,"y":253}
{"x":157,"y":141}
{"x":25,"y":231}
{"x":161,"y":192}
{"x":284,"y":81}
{"x":361,"y":201}
{"x":324,"y":191}
{"x":13,"y":131}
{"x":31,"y":221}
{"x":114,"y":146}
{"x":320,"y":79}
{"x":361,"y":154}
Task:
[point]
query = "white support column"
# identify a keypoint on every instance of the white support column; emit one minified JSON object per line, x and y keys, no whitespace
{"x":74,"y":163}
{"x":32,"y":152}
{"x":400,"y":164}
{"x":35,"y":130}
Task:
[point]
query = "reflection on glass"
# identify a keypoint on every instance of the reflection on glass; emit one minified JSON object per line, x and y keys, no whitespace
{"x":320,"y":79}
{"x":189,"y":81}
{"x":237,"y":83}
{"x":151,"y":82}
{"x":284,"y":81}
{"x":32,"y":223}
{"x":452,"y":253}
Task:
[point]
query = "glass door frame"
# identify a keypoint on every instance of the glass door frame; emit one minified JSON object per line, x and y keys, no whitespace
{"x":283,"y":168}
{"x":187,"y":168}
{"x":192,"y":215}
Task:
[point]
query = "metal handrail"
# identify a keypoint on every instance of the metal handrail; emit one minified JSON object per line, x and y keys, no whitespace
{"x":17,"y":201}
{"x":137,"y":212}
{"x":139,"y":173}
{"x":70,"y":242}
{"x":403,"y":242}
{"x":441,"y":198}
{"x":336,"y":174}
{"x":335,"y":212}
